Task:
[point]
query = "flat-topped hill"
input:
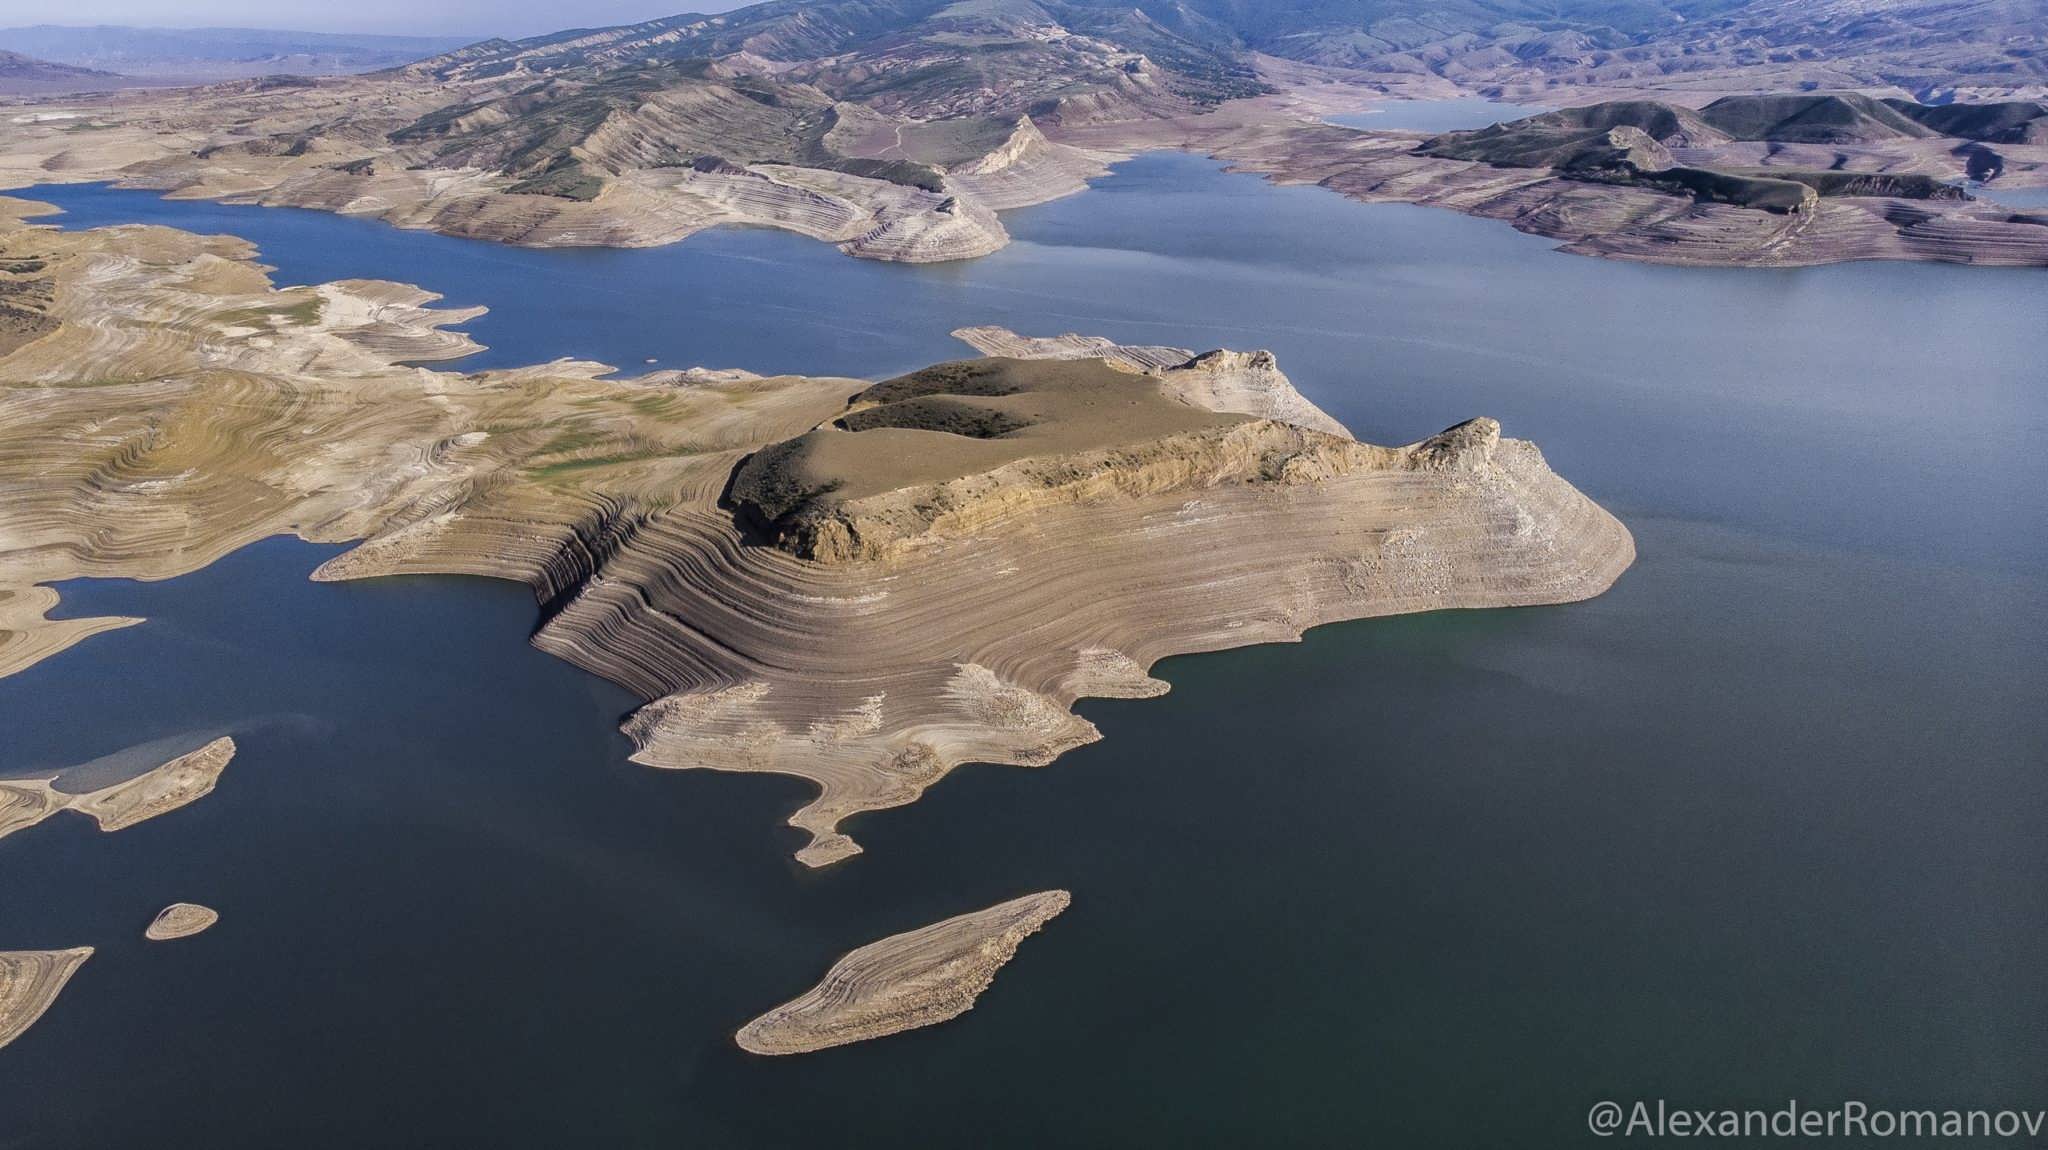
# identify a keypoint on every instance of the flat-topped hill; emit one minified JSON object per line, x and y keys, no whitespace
{"x":956,"y":443}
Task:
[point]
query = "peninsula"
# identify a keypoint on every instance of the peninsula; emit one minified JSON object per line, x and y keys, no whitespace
{"x":749,"y":554}
{"x":184,"y":779}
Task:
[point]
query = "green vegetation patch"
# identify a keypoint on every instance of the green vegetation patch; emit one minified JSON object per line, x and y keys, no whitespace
{"x":302,"y":314}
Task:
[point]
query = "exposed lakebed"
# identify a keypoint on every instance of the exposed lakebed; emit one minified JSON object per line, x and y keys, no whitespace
{"x":1762,"y":822}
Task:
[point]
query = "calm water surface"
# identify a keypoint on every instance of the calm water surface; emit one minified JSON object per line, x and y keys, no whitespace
{"x":2016,"y":197}
{"x":1763,"y":822}
{"x":1437,"y":115}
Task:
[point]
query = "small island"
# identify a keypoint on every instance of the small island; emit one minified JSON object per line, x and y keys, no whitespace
{"x":180,"y":920}
{"x":918,"y":978}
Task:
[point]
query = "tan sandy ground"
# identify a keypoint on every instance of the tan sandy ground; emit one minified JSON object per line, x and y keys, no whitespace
{"x":180,"y":920}
{"x":215,"y":143}
{"x":919,"y":978}
{"x":178,"y":782}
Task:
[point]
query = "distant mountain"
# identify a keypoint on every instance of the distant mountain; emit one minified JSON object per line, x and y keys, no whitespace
{"x":1925,"y":46}
{"x":26,"y":75}
{"x":927,"y":57}
{"x":16,"y":66}
{"x":937,"y":55}
{"x":218,"y":53}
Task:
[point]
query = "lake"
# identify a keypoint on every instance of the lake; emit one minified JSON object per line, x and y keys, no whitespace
{"x":1457,"y":115}
{"x":1763,"y":822}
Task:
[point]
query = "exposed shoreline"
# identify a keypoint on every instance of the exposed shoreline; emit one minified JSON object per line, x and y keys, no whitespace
{"x":915,"y":979}
{"x":1281,"y":137}
{"x":177,"y":782}
{"x":180,"y":920}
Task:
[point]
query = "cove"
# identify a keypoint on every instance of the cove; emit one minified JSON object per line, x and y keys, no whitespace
{"x":1762,"y":822}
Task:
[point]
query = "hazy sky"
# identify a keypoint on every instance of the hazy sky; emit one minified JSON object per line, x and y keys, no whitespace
{"x":457,"y":17}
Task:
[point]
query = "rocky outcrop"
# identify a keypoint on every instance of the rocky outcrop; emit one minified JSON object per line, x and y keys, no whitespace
{"x":1026,"y":169}
{"x":955,"y":228}
{"x":906,"y":981}
{"x":1244,"y":383}
{"x":961,"y":449}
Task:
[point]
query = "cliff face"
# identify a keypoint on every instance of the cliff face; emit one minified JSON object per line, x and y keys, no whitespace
{"x":1059,"y":527}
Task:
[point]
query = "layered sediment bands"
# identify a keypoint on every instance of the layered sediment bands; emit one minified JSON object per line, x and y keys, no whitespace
{"x":180,"y":920}
{"x":918,"y":978}
{"x":30,"y":981}
{"x":956,"y":228}
{"x":1004,"y":342}
{"x":1027,"y":169}
{"x":635,"y":188}
{"x":873,"y":679}
{"x":1069,"y":522}
{"x":160,"y":790}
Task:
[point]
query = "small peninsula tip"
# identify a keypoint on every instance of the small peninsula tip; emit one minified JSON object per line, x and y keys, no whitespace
{"x":29,"y":983}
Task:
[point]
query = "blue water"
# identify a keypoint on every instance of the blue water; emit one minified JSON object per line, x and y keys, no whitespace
{"x":2016,"y":197}
{"x":1457,"y":115}
{"x":1762,"y":822}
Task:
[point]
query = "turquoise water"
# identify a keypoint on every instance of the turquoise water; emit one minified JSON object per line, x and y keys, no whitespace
{"x":1761,"y":823}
